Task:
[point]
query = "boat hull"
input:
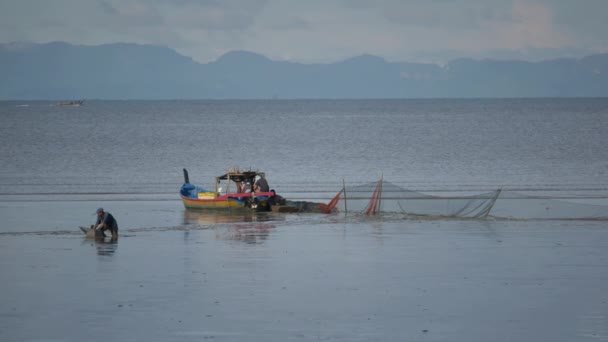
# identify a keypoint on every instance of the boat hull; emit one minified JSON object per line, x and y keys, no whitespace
{"x":225,"y":204}
{"x":196,"y":197}
{"x":193,"y":203}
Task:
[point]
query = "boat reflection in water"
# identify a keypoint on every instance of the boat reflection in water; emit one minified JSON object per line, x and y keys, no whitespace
{"x":249,"y":233}
{"x":249,"y":227}
{"x":204,"y":217}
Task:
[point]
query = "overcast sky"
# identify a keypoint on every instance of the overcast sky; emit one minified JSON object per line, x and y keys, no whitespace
{"x":321,"y":31}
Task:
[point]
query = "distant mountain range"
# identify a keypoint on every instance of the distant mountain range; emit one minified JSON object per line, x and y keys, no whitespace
{"x":61,"y":71}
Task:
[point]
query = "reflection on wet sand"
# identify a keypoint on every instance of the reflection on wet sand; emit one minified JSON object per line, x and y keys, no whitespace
{"x":104,"y":246}
{"x":250,"y":233}
{"x":209,"y":217}
{"x":249,"y":227}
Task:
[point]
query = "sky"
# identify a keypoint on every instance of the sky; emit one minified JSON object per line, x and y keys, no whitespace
{"x":318,"y":31}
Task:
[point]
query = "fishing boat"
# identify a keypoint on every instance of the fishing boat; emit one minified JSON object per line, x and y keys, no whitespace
{"x":70,"y":103}
{"x":232,"y":191}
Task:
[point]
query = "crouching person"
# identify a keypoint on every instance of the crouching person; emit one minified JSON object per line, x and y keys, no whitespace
{"x":105,"y":221}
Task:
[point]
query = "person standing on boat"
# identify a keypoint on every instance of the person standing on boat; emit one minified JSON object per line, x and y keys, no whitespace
{"x":260,"y":184}
{"x":105,"y":221}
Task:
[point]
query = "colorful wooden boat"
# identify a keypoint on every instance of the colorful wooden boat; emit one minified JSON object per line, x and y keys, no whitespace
{"x":234,"y":197}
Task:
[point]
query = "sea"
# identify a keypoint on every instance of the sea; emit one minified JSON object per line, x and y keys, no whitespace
{"x":183,"y":275}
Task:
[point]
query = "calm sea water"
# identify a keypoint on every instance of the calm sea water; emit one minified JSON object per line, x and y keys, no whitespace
{"x":141,"y":147}
{"x":180,"y":275}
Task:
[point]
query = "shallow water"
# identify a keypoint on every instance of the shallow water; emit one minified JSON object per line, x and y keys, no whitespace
{"x":183,"y":275}
{"x":301,"y":278}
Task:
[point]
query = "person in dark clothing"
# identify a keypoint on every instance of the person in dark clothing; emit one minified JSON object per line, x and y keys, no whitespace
{"x":260,"y":184}
{"x":276,"y":199}
{"x":105,"y":221}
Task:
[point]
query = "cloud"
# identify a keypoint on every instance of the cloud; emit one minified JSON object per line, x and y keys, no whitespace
{"x":583,"y":22}
{"x":452,"y":15}
{"x":288,"y":23}
{"x":128,"y":14}
{"x":485,"y":27}
{"x":189,"y":14}
{"x":211,"y":15}
{"x":316,"y":30}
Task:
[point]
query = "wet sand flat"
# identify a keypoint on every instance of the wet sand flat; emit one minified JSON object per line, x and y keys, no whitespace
{"x":302,"y":277}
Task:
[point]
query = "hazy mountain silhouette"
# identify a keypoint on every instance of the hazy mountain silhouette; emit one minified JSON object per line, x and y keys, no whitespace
{"x":132,"y":71}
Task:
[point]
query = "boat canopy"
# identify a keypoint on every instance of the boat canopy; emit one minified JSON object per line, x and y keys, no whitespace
{"x":240,"y":176}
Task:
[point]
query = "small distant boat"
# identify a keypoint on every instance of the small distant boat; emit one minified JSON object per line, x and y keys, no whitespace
{"x":70,"y":103}
{"x":234,"y":197}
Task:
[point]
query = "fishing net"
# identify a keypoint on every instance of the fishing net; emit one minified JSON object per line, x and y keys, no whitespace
{"x":385,"y":197}
{"x":517,"y":205}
